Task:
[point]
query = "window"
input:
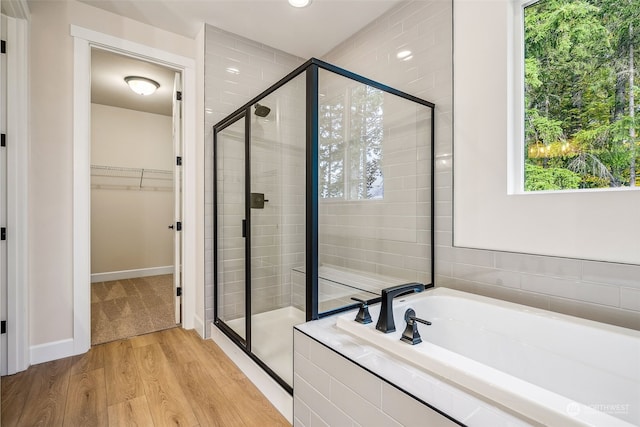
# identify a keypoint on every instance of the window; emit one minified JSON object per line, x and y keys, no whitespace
{"x":490,"y":210}
{"x":581,"y":83}
{"x":350,"y":154}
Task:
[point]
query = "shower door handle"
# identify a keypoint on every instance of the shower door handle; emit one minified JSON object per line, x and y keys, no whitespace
{"x":244,"y":228}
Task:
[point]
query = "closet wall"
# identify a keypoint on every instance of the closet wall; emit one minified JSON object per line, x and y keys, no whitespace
{"x":130,"y":214}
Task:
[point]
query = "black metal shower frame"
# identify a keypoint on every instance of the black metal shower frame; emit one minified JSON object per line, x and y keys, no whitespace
{"x":311,"y":68}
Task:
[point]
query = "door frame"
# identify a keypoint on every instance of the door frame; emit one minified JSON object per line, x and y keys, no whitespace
{"x":18,"y":356}
{"x":84,"y":40}
{"x":176,"y":136}
{"x":240,"y":341}
{"x":244,"y":343}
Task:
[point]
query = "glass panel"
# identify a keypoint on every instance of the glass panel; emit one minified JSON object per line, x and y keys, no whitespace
{"x":375,"y":191}
{"x":230,"y":167}
{"x":277,"y":170}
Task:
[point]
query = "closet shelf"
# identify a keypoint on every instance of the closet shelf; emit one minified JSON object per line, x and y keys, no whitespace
{"x":122,"y":178}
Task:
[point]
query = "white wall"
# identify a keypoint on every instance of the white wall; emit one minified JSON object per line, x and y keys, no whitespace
{"x":51,"y":147}
{"x":597,"y":290}
{"x":129,"y":225}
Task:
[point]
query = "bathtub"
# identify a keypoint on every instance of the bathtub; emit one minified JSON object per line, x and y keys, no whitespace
{"x":544,"y":367}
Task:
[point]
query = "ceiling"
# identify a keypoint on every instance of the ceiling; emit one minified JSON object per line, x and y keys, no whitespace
{"x":306,"y":32}
{"x":108,"y":87}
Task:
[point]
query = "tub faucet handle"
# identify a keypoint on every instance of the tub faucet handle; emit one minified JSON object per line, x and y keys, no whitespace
{"x":411,"y":334}
{"x":363,"y":315}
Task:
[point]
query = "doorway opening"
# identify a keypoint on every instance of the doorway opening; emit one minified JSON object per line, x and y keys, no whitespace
{"x":136,"y":198}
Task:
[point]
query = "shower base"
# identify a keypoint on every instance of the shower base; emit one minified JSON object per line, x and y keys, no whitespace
{"x":272,"y":338}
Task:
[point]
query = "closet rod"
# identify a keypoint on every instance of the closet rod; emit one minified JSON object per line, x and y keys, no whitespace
{"x":164,"y":178}
{"x":109,"y":170}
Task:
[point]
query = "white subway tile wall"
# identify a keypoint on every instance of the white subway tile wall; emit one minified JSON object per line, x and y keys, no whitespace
{"x":236,"y":70}
{"x":277,"y":171}
{"x":599,"y":291}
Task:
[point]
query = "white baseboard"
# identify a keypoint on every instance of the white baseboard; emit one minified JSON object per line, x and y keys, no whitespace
{"x":51,"y":351}
{"x":278,"y":396}
{"x":55,"y":350}
{"x":198,"y":325}
{"x":130,"y":274}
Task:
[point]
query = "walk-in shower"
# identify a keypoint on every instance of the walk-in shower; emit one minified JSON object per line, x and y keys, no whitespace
{"x":322,"y":193}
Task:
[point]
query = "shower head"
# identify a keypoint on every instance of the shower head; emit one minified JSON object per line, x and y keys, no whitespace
{"x":261,"y":110}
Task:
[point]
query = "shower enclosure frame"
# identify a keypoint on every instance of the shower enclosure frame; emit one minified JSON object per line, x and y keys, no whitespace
{"x":311,"y":67}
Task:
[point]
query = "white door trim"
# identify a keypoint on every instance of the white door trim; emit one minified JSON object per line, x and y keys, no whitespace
{"x":84,"y":39}
{"x":17,"y":193}
{"x":176,"y":134}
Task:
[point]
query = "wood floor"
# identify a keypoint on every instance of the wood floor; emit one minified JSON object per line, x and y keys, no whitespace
{"x":167,"y":378}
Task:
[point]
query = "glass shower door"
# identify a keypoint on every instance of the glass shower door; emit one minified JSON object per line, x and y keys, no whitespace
{"x":277,"y":231}
{"x":230,"y":155}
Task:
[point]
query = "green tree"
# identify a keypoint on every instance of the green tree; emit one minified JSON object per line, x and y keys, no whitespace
{"x":331,"y":148}
{"x":542,"y":179}
{"x":622,"y":18}
{"x":580,"y":72}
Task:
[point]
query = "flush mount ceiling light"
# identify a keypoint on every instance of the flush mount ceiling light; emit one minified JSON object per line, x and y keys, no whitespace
{"x":299,"y":3}
{"x":142,"y":85}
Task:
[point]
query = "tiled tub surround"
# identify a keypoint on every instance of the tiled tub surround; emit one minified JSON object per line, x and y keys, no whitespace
{"x":524,"y":366}
{"x":340,"y":380}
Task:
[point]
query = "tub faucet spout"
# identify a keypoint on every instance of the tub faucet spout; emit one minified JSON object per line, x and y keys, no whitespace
{"x":385,"y":320}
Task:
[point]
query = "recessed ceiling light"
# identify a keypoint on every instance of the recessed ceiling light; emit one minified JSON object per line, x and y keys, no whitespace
{"x":404,"y":55}
{"x":299,"y":3}
{"x":142,"y":85}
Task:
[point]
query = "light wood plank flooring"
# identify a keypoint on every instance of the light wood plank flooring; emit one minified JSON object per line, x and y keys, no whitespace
{"x":167,"y":378}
